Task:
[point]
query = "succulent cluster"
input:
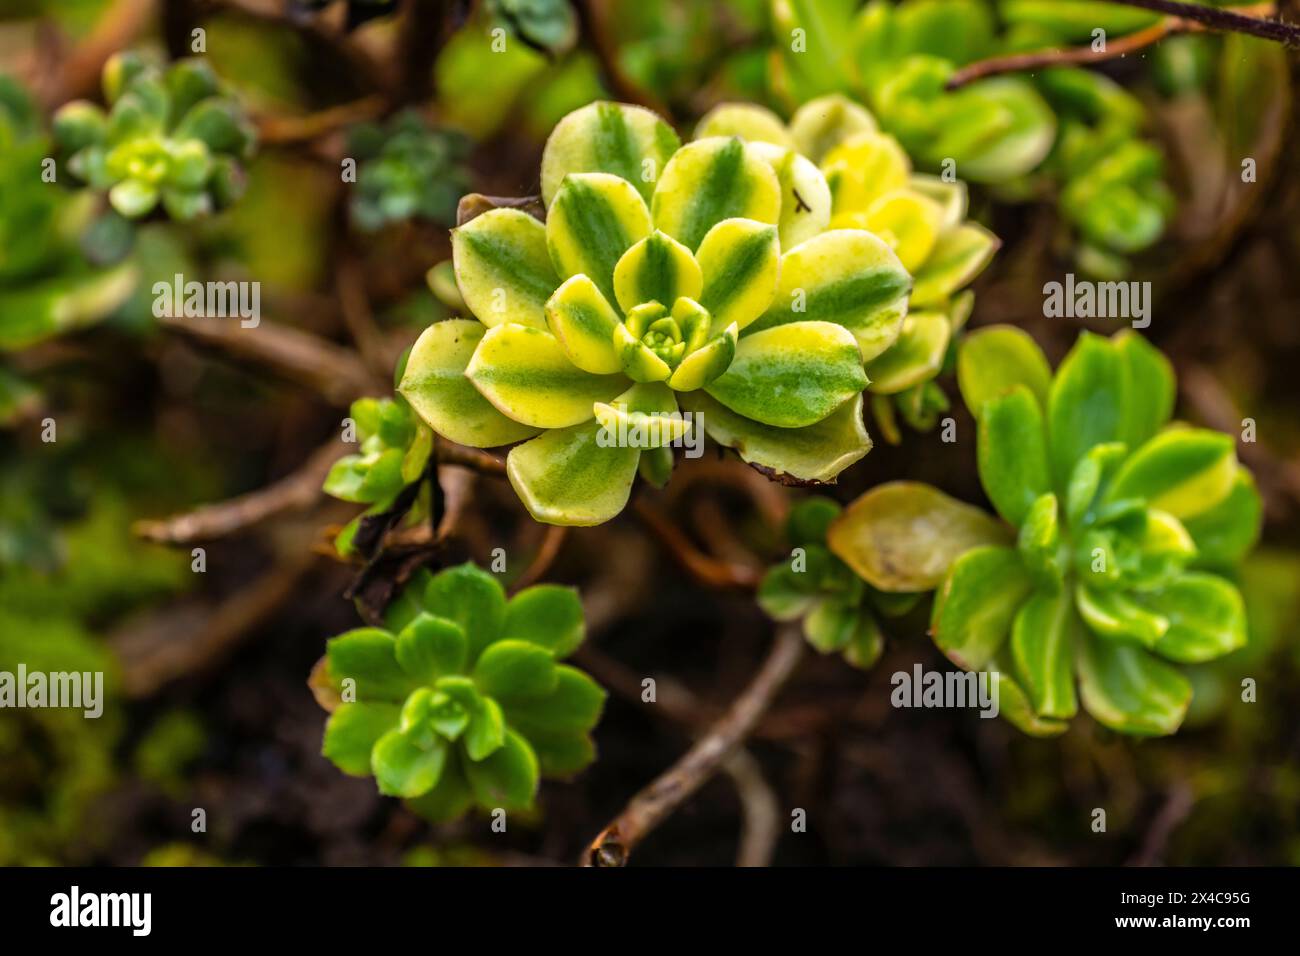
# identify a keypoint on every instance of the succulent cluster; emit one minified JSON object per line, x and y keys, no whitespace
{"x":395,"y":449}
{"x":840,"y":611}
{"x":921,"y":217}
{"x":46,"y":285}
{"x":460,"y":699}
{"x":407,"y":169}
{"x":169,"y":137}
{"x":707,"y":277}
{"x":1115,"y":524}
{"x":1075,"y":129}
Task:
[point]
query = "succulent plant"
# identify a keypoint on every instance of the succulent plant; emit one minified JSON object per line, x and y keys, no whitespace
{"x":460,"y":698}
{"x":1102,"y":569}
{"x":840,"y":611}
{"x":659,"y":282}
{"x":395,"y":449}
{"x":1072,"y":131}
{"x":170,"y":136}
{"x":921,"y":217}
{"x":407,"y":169}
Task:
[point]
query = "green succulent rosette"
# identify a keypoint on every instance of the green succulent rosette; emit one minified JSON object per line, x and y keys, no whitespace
{"x":660,"y":282}
{"x":394,"y":453}
{"x":170,"y":137}
{"x":1101,"y":576}
{"x":873,"y":187}
{"x":460,"y":699}
{"x":840,"y":612}
{"x":407,"y":170}
{"x":1072,"y":133}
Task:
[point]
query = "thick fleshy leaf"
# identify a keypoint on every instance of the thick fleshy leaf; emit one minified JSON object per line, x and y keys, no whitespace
{"x":472,"y":598}
{"x":816,"y":453}
{"x":1227,"y":532}
{"x":627,"y":141}
{"x":524,"y":372}
{"x":1151,"y":387}
{"x":952,"y":196}
{"x":503,"y":268}
{"x":805,"y":194}
{"x":785,"y":594}
{"x":1207,"y":618}
{"x":864,"y":167}
{"x":573,"y":705}
{"x":547,"y":615}
{"x":568,"y":477}
{"x":353,"y":730}
{"x":584,"y":323}
{"x":1014,"y":705}
{"x":711,"y":180}
{"x":706,"y":363}
{"x":997,"y":358}
{"x":976,"y":604}
{"x":1042,"y":645}
{"x":746,"y":120}
{"x":592,"y":221}
{"x":1183,"y":471}
{"x":793,"y":375}
{"x":1117,"y":616}
{"x":904,"y":535}
{"x":830,"y":625}
{"x":404,"y":769}
{"x":739,"y":259}
{"x":434,"y":383}
{"x":1012,"y":453}
{"x":515,"y":668}
{"x":916,"y":357}
{"x":1039,"y":543}
{"x":845,"y":276}
{"x":909,"y":222}
{"x":657,"y":269}
{"x":1128,"y":690}
{"x":626,"y":425}
{"x":1086,"y":405}
{"x":487,"y":725}
{"x":957,"y":257}
{"x":368,"y":656}
{"x":1025,"y":130}
{"x":1092,"y":471}
{"x":448,"y":800}
{"x":508,"y":777}
{"x":821,"y":124}
{"x":430,"y":647}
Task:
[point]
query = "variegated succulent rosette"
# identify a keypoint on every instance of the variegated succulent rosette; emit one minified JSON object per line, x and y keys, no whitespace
{"x":872,"y":186}
{"x":705,"y":278}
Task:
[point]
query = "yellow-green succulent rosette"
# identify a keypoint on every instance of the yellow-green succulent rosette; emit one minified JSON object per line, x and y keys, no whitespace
{"x":704,"y":278}
{"x":833,"y":156}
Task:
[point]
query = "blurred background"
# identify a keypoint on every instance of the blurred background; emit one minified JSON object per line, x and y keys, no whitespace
{"x":209,"y":705}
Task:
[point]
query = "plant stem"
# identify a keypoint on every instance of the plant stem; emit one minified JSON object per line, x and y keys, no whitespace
{"x":656,"y":802}
{"x":296,"y":491}
{"x":1170,"y":26}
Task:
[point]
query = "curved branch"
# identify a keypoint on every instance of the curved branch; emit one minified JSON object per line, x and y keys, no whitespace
{"x":654,"y":804}
{"x":299,"y":490}
{"x":1122,"y":46}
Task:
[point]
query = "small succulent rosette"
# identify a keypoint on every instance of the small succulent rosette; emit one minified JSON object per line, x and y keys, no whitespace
{"x":874,"y":188}
{"x":460,"y":699}
{"x":408,"y":170}
{"x":395,"y":448}
{"x":170,"y":137}
{"x":666,"y":278}
{"x":1101,"y":576}
{"x":840,"y":612}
